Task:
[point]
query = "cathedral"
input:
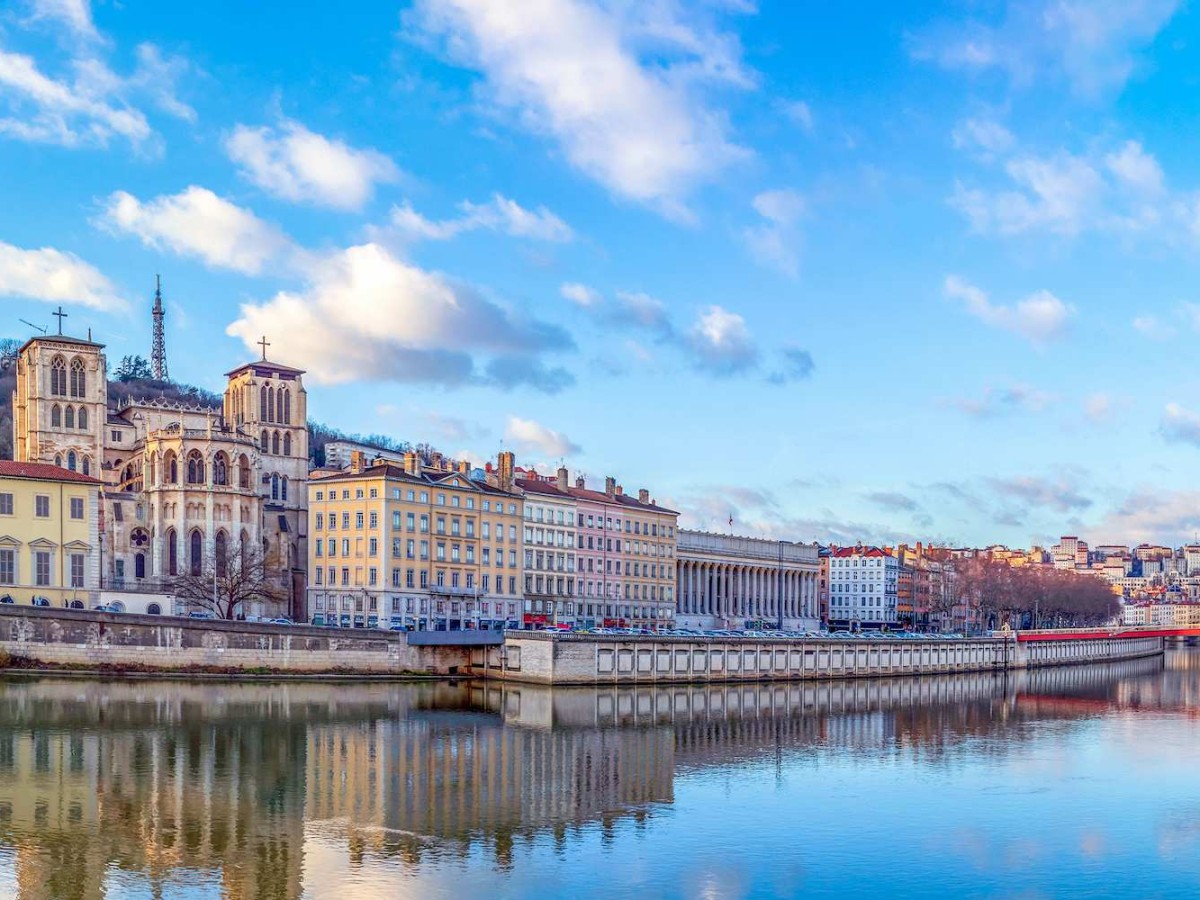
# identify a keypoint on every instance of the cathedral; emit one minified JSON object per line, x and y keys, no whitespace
{"x":182,"y":483}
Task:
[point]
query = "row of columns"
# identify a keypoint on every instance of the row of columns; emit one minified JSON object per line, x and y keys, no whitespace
{"x":740,"y":591}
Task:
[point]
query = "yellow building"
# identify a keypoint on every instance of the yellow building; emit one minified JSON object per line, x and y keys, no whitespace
{"x":413,"y":544}
{"x":49,"y":535}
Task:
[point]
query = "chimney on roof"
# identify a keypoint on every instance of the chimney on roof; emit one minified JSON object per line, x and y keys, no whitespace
{"x":464,"y":467}
{"x":435,"y":461}
{"x":562,"y":478}
{"x":357,"y":461}
{"x":507,"y":462}
{"x":620,"y":490}
{"x":580,"y":482}
{"x":643,"y":496}
{"x":412,"y":463}
{"x":610,"y":485}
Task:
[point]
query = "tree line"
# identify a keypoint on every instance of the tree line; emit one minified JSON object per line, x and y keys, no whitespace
{"x":1032,"y":596}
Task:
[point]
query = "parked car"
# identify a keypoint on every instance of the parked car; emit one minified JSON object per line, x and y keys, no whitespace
{"x":201,"y":614}
{"x":280,"y":621}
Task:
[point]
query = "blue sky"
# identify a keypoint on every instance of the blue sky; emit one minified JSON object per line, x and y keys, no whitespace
{"x":879,"y":271}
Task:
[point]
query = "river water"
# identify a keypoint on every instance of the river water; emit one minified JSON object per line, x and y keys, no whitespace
{"x":1071,"y":782}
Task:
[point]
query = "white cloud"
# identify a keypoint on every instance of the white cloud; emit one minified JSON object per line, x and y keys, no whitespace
{"x":54,"y":276}
{"x":529,"y":436}
{"x":1098,"y":408}
{"x":1039,"y":318}
{"x":720,"y":341}
{"x":1180,"y":425}
{"x":982,"y":136}
{"x":1059,"y":194}
{"x":1151,"y":515}
{"x":498,"y":214}
{"x":90,"y":105}
{"x":1136,"y":168}
{"x":798,"y":111}
{"x":44,"y":110}
{"x":364,"y":314}
{"x":775,"y":242}
{"x":302,"y":166}
{"x":1151,"y":327}
{"x":75,"y":14}
{"x":580,"y":294}
{"x":998,"y":401}
{"x":618,"y":86}
{"x":1094,"y":45}
{"x":196,"y":222}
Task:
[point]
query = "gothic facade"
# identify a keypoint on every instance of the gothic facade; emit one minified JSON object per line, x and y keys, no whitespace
{"x":183,"y":484}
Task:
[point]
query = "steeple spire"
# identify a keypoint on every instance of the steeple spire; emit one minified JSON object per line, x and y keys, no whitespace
{"x":158,"y":350}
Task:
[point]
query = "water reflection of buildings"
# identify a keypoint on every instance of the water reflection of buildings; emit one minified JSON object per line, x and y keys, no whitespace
{"x":157,"y":784}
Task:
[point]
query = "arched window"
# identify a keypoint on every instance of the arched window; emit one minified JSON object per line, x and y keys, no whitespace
{"x":275,"y":443}
{"x":287,"y":407}
{"x":270,"y":404}
{"x":262,"y":403}
{"x":55,"y":416}
{"x":87,"y":466}
{"x":153,"y":609}
{"x":76,"y":604}
{"x":139,"y":565}
{"x":72,"y":460}
{"x":196,"y":553}
{"x":69,"y":417}
{"x":283,"y":488}
{"x":195,"y":468}
{"x":172,"y":553}
{"x":153,"y":470}
{"x":244,"y":472}
{"x":58,"y":460}
{"x":78,"y":378}
{"x":279,"y":405}
{"x":266,"y":442}
{"x":127,"y":478}
{"x":82,"y":419}
{"x":171,"y":468}
{"x":287,"y":444}
{"x":220,"y":469}
{"x":222,"y":548}
{"x":274,"y":487}
{"x":58,"y":377}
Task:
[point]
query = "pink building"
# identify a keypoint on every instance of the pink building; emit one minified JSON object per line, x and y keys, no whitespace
{"x":625,"y":558}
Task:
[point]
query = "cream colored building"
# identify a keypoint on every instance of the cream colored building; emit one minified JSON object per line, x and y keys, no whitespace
{"x":182,"y":484}
{"x":49,"y":540}
{"x":418,"y":545}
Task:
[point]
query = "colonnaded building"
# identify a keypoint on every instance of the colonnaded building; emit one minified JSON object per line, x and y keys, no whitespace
{"x":746,"y":582}
{"x":182,"y":483}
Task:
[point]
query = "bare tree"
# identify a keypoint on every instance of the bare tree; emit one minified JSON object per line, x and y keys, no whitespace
{"x":227,"y":586}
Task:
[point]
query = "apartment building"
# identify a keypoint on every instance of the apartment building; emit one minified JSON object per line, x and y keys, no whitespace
{"x":414,"y":545}
{"x":49,"y":535}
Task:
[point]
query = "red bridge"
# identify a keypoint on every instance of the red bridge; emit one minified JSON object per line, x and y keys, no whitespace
{"x":1110,"y":631}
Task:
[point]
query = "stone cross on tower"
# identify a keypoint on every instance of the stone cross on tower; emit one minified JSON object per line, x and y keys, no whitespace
{"x":61,"y":315}
{"x":264,"y":343}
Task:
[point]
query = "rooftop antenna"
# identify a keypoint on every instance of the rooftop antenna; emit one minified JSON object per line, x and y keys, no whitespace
{"x":34,"y":327}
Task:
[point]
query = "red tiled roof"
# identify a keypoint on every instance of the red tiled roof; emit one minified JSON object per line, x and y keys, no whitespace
{"x":860,"y":551}
{"x":41,"y":472}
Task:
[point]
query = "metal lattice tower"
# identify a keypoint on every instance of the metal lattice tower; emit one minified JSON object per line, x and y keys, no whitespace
{"x":158,"y":351}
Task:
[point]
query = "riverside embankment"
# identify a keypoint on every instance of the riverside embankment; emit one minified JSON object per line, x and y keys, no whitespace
{"x":82,"y":640}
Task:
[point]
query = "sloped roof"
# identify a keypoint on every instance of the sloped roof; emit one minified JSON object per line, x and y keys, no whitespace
{"x":42,"y":472}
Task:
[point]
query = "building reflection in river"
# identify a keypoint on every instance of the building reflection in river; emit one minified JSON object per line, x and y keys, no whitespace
{"x":150,"y":785}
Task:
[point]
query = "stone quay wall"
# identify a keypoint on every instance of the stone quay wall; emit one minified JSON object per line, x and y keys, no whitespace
{"x":545,"y":658}
{"x":85,"y":639}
